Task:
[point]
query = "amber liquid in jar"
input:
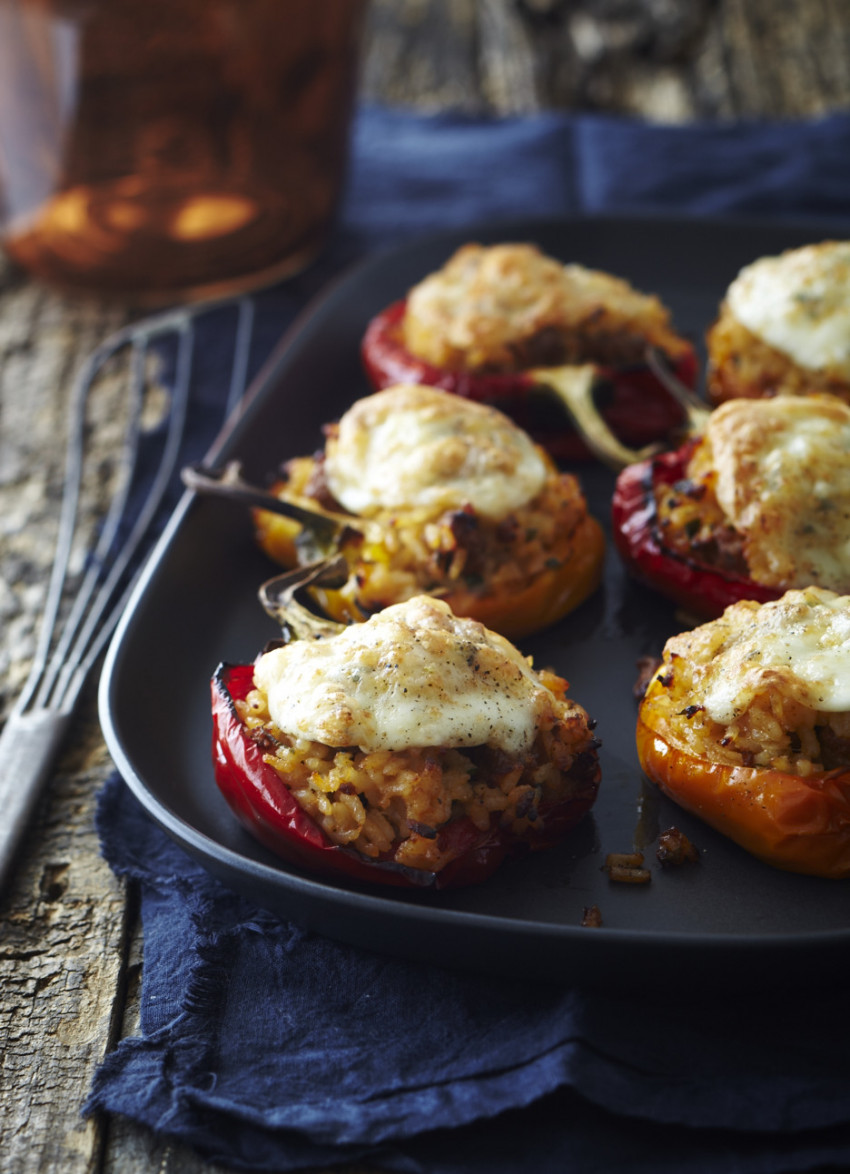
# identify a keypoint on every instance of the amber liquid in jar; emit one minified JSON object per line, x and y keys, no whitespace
{"x":164,"y":150}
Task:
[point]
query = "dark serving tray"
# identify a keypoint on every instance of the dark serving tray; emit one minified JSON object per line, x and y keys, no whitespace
{"x":728,"y":918}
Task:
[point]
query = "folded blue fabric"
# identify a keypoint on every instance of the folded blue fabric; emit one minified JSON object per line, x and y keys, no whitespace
{"x":271,"y":1049}
{"x":412,"y":175}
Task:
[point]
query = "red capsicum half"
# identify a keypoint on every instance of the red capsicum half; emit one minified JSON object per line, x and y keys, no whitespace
{"x":697,"y":587}
{"x":260,"y":799}
{"x":639,"y":408}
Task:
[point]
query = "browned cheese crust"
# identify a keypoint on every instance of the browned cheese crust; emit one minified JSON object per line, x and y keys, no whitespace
{"x":509,"y":307}
{"x":767,"y":493}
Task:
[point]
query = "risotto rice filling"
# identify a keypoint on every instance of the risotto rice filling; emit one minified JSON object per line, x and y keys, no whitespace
{"x":384,"y":802}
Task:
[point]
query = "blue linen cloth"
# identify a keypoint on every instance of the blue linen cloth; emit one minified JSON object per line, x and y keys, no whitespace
{"x":268,"y":1048}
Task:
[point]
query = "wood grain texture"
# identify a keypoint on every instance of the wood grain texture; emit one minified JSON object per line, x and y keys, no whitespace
{"x":63,"y":927}
{"x":70,"y":952}
{"x":61,"y":959}
{"x":665,"y":60}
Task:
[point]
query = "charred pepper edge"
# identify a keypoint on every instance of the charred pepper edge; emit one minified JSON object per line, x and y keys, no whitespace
{"x":637,"y":537}
{"x":242,"y":775}
{"x":387,"y":361}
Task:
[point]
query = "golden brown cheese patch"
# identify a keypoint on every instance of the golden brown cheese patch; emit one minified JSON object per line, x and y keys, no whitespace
{"x":489,"y":307}
{"x":782,"y":478}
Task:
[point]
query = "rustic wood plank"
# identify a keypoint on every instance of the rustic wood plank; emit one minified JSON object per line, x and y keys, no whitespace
{"x":128,"y":1146}
{"x":62,"y":933}
{"x":423,"y":49}
{"x":665,"y":60}
{"x":786,"y":59}
{"x":43,"y":343}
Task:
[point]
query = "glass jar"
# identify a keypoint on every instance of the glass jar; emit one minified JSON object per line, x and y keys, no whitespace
{"x":165,"y":150}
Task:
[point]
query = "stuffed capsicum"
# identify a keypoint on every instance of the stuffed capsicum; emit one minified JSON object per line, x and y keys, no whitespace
{"x":757,"y":505}
{"x":416,"y":748}
{"x":432,"y":493}
{"x":784,"y":327}
{"x":746,"y":723}
{"x":497,"y":323}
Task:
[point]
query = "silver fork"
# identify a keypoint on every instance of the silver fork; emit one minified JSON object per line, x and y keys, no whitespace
{"x":68,"y":649}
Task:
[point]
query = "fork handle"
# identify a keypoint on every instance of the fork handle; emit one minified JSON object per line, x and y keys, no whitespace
{"x":29,"y":744}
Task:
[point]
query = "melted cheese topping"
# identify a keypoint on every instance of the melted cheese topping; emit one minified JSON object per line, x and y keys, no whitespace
{"x":799,"y":303}
{"x":409,"y":447}
{"x":796,"y":646}
{"x":412,"y":676}
{"x":783,"y":480}
{"x":487,"y":298}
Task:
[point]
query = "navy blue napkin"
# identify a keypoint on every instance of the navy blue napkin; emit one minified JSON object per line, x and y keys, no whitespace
{"x":267,"y":1048}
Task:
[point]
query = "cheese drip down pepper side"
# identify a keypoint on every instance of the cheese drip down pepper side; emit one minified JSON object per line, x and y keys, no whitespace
{"x":488,"y":324}
{"x":415,"y":748}
{"x":747,"y":724}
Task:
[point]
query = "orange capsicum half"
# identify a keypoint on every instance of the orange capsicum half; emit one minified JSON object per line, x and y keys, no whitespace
{"x":801,"y":824}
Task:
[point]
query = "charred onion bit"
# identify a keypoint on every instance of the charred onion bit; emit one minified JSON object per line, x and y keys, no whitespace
{"x":647,"y":667}
{"x":674,"y":848}
{"x":637,"y":406}
{"x":265,"y":806}
{"x":696,"y":587}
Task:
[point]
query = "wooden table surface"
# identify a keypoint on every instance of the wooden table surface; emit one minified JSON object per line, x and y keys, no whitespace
{"x":70,"y":946}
